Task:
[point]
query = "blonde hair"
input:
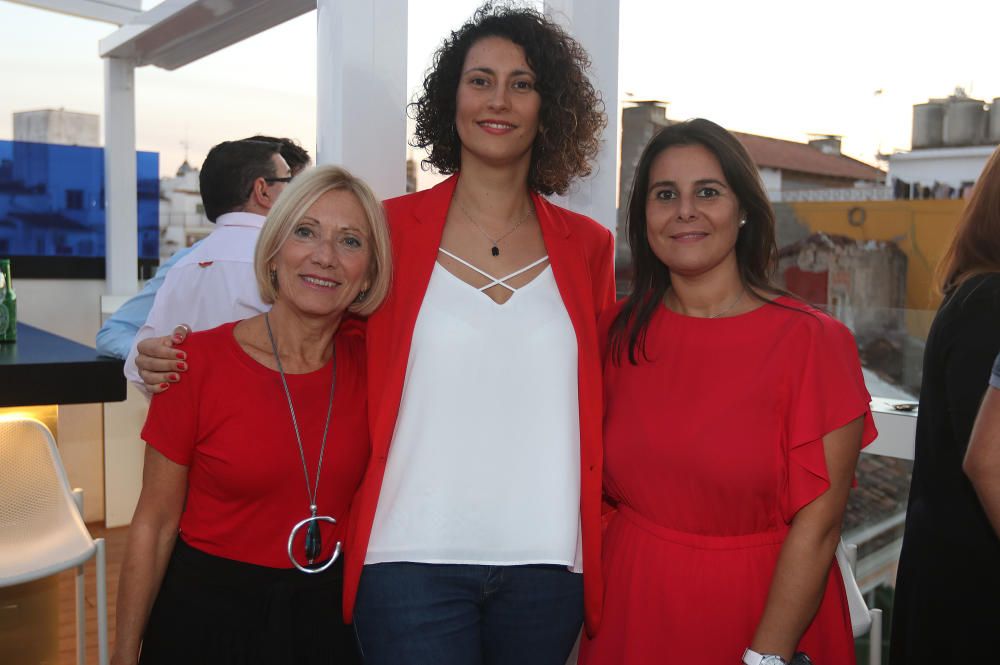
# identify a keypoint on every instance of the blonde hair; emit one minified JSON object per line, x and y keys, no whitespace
{"x":291,"y":206}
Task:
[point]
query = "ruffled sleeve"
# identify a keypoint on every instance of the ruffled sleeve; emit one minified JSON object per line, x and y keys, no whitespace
{"x":827,"y":392}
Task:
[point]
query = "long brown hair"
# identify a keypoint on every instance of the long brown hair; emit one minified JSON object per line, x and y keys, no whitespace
{"x":756,"y":247}
{"x":975,"y":248}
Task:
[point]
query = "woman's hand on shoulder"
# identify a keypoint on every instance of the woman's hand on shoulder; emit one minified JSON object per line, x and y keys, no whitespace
{"x":159,"y":362}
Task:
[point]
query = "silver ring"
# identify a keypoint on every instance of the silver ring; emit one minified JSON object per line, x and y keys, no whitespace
{"x":291,"y":539}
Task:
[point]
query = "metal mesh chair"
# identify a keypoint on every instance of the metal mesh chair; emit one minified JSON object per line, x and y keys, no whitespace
{"x":41,"y":527}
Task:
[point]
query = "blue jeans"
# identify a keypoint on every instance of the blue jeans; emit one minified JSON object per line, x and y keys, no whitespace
{"x":447,"y":614}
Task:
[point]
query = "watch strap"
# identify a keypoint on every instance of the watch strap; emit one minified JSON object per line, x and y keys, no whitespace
{"x":751,"y":657}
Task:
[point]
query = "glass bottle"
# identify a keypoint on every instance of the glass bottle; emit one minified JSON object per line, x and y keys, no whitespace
{"x":8,"y":304}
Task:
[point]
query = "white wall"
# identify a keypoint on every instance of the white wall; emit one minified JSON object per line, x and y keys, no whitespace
{"x":951,"y":166}
{"x":772,"y":182}
{"x":71,"y":308}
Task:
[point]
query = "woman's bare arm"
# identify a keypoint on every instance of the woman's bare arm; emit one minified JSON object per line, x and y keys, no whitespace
{"x":803,"y":567}
{"x":150,"y":541}
{"x":982,"y":459}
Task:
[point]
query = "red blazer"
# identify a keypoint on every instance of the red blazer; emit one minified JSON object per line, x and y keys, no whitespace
{"x":581,"y":253}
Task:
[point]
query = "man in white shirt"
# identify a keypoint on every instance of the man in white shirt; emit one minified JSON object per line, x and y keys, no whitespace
{"x":116,"y":336}
{"x":214,"y":283}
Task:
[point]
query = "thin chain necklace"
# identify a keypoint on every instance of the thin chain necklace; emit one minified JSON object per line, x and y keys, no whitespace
{"x":314,"y":541}
{"x":726,"y":310}
{"x":495,"y":250}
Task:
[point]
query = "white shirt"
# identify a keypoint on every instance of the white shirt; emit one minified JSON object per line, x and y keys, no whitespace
{"x":213,"y":284}
{"x":484,"y":466}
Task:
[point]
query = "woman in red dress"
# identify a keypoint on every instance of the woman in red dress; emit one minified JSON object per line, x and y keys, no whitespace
{"x":734,"y":418}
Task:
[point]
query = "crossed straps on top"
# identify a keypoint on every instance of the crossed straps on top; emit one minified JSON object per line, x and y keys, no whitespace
{"x":495,"y":281}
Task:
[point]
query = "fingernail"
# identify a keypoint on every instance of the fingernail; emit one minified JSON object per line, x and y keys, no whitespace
{"x":164,"y":386}
{"x":174,"y":377}
{"x":182,"y":366}
{"x":181,"y":355}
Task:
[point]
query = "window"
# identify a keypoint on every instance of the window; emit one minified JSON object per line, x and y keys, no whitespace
{"x":74,"y":199}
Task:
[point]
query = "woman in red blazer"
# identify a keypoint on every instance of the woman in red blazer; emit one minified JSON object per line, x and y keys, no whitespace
{"x":498,"y":112}
{"x":481,"y":502}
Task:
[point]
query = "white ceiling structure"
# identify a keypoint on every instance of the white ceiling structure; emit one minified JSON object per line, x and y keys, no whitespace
{"x":360,"y":88}
{"x":106,"y":11}
{"x":178,"y":32}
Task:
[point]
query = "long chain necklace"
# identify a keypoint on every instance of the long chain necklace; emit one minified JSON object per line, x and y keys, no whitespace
{"x":495,"y":250}
{"x":314,"y":540}
{"x":728,"y":309}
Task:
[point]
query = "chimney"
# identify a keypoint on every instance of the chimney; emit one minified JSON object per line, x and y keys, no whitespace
{"x":827,"y":144}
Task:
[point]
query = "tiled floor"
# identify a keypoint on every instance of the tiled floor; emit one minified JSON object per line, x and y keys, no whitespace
{"x":115,"y":544}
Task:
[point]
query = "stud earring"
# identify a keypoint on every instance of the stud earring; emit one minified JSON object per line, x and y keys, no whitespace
{"x":743,"y":222}
{"x":361,"y":297}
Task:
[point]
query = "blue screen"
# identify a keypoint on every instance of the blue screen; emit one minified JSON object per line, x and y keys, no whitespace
{"x":52,"y":201}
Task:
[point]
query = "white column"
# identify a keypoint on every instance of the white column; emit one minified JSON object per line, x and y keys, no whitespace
{"x":120,"y":206}
{"x":594,"y":23}
{"x":361,"y":90}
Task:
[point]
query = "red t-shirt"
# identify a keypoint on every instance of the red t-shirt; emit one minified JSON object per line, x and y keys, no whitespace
{"x":228,"y":422}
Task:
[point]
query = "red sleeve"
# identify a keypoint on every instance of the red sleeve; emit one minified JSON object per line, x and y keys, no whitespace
{"x":604,"y":275}
{"x":604,"y":323}
{"x":827,"y":393}
{"x":172,"y":421}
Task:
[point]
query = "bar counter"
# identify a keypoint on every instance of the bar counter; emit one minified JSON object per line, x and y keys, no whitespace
{"x":43,"y":368}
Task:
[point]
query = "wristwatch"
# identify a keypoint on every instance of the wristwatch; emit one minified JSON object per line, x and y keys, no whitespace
{"x":751,"y":657}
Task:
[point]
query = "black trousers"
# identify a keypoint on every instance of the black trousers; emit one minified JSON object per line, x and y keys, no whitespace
{"x":219,"y":611}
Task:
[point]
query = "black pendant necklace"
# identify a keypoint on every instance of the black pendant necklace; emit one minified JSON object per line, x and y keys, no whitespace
{"x":314,"y":539}
{"x":495,"y":249}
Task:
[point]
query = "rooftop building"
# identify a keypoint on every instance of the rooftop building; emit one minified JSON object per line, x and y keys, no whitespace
{"x":58,"y":126}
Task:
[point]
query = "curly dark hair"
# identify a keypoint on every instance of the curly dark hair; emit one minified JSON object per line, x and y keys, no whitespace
{"x":572,"y":113}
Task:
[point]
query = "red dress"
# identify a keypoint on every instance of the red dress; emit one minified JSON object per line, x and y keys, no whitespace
{"x":711,"y":446}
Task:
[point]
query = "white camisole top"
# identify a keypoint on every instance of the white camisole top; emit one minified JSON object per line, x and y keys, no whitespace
{"x":484,"y":465}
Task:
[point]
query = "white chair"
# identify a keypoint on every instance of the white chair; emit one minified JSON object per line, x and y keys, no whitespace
{"x":41,"y":524}
{"x":874,"y":630}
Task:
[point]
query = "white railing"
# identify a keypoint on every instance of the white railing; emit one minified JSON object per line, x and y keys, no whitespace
{"x":896,"y":421}
{"x":832,"y":194}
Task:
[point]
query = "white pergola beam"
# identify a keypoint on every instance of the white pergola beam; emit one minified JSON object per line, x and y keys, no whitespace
{"x":117,"y":12}
{"x":178,"y":32}
{"x":121,"y":234}
{"x":361,"y":90}
{"x":594,"y":23}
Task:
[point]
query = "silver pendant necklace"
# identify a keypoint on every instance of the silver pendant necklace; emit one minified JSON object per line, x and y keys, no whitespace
{"x":495,"y":249}
{"x":731,"y":307}
{"x":314,"y":540}
{"x":713,"y":316}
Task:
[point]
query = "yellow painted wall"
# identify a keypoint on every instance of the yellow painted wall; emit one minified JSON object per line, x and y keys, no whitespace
{"x":922,"y":230}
